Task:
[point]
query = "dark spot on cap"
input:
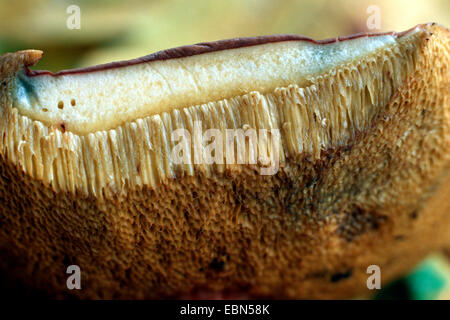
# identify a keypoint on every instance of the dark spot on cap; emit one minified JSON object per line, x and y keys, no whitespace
{"x":358,"y":221}
{"x":68,"y":260}
{"x":198,"y":234}
{"x":217,"y":264}
{"x":341,"y":276}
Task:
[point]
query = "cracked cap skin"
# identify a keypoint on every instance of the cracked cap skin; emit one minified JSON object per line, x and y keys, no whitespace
{"x":363,"y":177}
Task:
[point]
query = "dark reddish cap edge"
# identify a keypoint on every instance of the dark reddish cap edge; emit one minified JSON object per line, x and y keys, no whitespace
{"x":207,"y":47}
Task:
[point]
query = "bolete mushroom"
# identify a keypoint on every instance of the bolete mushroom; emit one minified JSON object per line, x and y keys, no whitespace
{"x":102,"y":167}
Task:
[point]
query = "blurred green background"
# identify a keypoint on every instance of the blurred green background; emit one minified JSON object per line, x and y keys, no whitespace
{"x":113,"y":30}
{"x":117,"y":30}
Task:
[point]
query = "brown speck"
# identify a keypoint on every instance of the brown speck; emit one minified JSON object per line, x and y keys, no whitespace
{"x":63,"y":127}
{"x":61,"y":105}
{"x":73,"y":102}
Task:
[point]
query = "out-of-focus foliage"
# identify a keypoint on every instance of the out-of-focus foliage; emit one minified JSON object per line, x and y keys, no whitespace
{"x":430,"y":280}
{"x":117,"y":30}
